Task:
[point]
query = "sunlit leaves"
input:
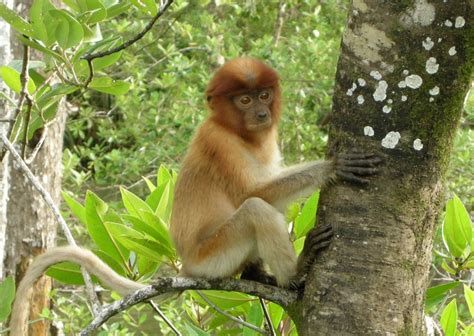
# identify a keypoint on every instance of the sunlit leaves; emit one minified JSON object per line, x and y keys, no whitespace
{"x":7,"y":293}
{"x":449,"y":318}
{"x":16,"y":21}
{"x":457,"y":228}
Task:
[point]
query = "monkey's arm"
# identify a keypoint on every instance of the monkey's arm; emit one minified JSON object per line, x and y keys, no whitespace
{"x":56,"y":255}
{"x":303,"y":180}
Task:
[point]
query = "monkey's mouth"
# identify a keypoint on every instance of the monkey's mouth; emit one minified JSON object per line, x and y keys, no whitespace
{"x":259,"y":125}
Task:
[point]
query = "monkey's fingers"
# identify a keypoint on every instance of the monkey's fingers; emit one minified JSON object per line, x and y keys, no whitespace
{"x":319,"y":234}
{"x":355,"y":156}
{"x":350,"y":177}
{"x":364,"y":171}
{"x":360,"y":162}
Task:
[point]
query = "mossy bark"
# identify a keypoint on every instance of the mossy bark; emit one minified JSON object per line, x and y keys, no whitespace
{"x":403,"y":73}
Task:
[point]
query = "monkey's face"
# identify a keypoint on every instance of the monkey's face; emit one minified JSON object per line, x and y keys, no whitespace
{"x":255,"y":107}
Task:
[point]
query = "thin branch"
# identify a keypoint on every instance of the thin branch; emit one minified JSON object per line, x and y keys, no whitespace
{"x":280,"y":296}
{"x":26,"y":127}
{"x":229,"y":316}
{"x":91,"y":73}
{"x":128,"y":43}
{"x":267,"y":317}
{"x":164,"y":318}
{"x":49,"y":201}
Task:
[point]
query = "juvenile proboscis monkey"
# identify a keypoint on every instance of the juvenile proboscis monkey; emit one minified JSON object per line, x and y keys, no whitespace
{"x":230,"y":194}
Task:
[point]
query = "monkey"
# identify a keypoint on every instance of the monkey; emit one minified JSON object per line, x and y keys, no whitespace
{"x":230,"y":194}
{"x":232,"y":190}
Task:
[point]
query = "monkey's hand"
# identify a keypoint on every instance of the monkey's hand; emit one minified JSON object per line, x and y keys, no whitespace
{"x":317,"y":240}
{"x":353,"y":167}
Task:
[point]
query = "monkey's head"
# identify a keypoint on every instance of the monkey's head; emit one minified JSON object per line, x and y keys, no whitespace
{"x":244,"y":96}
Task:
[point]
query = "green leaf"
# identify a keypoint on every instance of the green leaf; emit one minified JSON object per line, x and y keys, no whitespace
{"x":436,"y":294}
{"x":457,"y":227}
{"x":11,"y":77}
{"x":77,"y":208}
{"x":298,"y":244}
{"x":160,"y":226}
{"x":92,"y":11}
{"x":151,"y":230}
{"x":119,"y":8}
{"x":224,"y":300}
{"x":163,"y":176}
{"x":163,"y":209}
{"x":95,"y":211}
{"x":134,"y":204}
{"x":68,"y":31}
{"x":469,"y":295}
{"x":108,"y":85}
{"x":192,"y":330}
{"x":137,"y":242}
{"x":7,"y":293}
{"x":16,"y":21}
{"x":276,"y":313}
{"x":146,"y":6}
{"x":469,"y":264}
{"x":149,"y":184}
{"x":306,"y":220}
{"x":42,"y":21}
{"x":449,"y":318}
{"x":255,"y":317}
{"x":42,"y":48}
{"x":66,"y":272}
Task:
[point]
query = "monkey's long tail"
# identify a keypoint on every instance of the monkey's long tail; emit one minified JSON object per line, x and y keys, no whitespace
{"x":83,"y":257}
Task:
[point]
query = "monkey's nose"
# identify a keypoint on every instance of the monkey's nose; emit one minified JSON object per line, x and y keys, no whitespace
{"x":262,"y":115}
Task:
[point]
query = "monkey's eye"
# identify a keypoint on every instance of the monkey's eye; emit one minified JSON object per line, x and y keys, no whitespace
{"x":245,"y":100}
{"x":265,"y":95}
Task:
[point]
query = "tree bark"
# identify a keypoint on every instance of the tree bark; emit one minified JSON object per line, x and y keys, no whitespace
{"x":403,"y":73}
{"x":5,"y":114}
{"x":31,"y":225}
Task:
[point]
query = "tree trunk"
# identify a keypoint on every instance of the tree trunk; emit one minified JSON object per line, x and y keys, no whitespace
{"x":403,"y":73}
{"x":5,"y":114}
{"x":31,"y":225}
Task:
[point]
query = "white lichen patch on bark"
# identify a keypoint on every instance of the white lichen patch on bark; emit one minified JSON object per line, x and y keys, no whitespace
{"x":380,"y":91}
{"x":386,"y":109}
{"x":350,"y":91}
{"x":452,"y":51}
{"x":460,"y":22}
{"x":404,"y":98}
{"x":434,"y":91}
{"x":376,"y":75}
{"x":417,"y":144}
{"x":369,"y":131}
{"x":448,"y":23}
{"x":413,"y":81}
{"x":367,"y":42}
{"x":428,"y":44}
{"x":422,"y":13}
{"x":431,"y":99}
{"x":361,"y":82}
{"x":391,"y":140}
{"x":432,"y":65}
{"x":360,"y":99}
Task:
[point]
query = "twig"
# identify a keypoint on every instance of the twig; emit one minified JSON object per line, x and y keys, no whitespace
{"x":38,"y":146}
{"x":49,"y":201}
{"x":164,"y":318}
{"x":267,"y":317}
{"x":229,"y":316}
{"x":280,"y":296}
{"x":128,"y":43}
{"x":26,"y":128}
{"x":279,"y":22}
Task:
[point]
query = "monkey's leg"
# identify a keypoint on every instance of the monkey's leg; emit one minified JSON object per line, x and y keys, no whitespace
{"x":254,"y":271}
{"x":255,"y":230}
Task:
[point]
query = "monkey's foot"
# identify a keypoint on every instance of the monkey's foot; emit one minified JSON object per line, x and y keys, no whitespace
{"x":255,"y":272}
{"x":317,"y":240}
